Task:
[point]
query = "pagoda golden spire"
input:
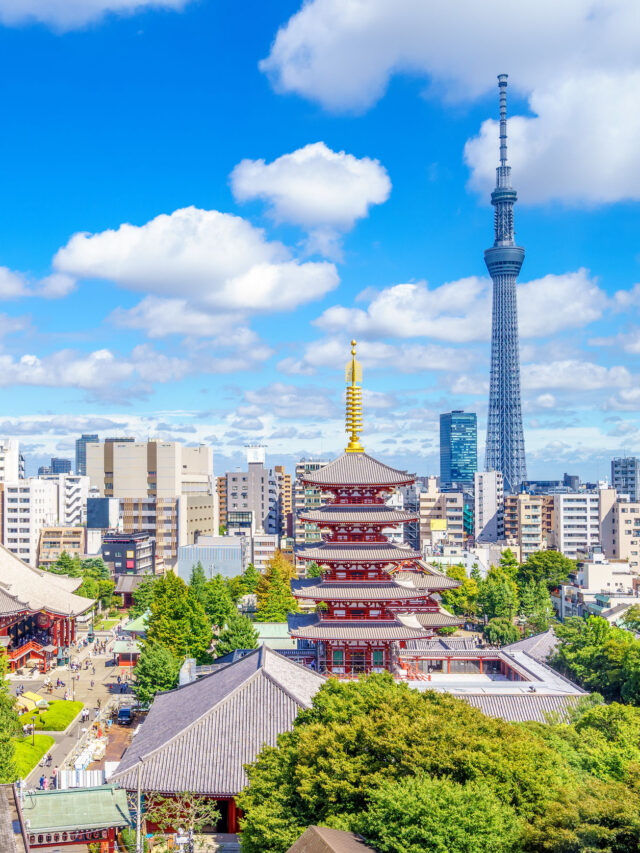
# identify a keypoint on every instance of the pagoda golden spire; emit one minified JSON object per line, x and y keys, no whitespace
{"x":353,"y":376}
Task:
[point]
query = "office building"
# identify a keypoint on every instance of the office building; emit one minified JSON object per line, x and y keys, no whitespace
{"x":458,"y":449}
{"x":73,"y":493}
{"x":488,"y":506}
{"x":55,"y":541}
{"x":131,"y":554}
{"x":285,"y":500}
{"x":255,"y":490}
{"x":441,"y":516}
{"x":576,"y":522}
{"x":57,"y":466}
{"x":625,"y":476}
{"x":10,"y":459}
{"x":228,"y":556}
{"x":29,"y":506}
{"x":620,"y":527}
{"x":81,"y":451}
{"x":505,"y":434}
{"x":529,"y":522}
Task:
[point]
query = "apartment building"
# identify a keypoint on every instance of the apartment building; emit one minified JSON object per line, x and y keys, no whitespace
{"x":305,"y":498}
{"x":131,"y":554}
{"x":255,"y":490}
{"x":285,"y":500}
{"x":56,"y":540}
{"x":488,"y":506}
{"x":73,"y":493}
{"x":10,"y":460}
{"x":529,"y":522}
{"x":29,"y":506}
{"x":620,"y":527}
{"x":625,"y":476}
{"x":441,"y":516}
{"x":576,"y":524}
{"x":598,"y":587}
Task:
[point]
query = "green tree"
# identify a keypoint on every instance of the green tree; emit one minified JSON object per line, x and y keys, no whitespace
{"x":218,"y":602}
{"x":275,"y":599}
{"x":536,"y":606}
{"x":239,"y":634}
{"x":251,"y":577}
{"x":9,"y":727}
{"x":143,"y":596}
{"x":186,"y":809}
{"x":313,"y":570}
{"x":178,"y":621}
{"x":464,"y":599}
{"x":198,"y":583}
{"x":498,"y":595}
{"x":631,"y":619}
{"x":423,"y":815}
{"x":157,"y":669}
{"x":501,"y":632}
{"x":551,"y":567}
{"x":509,"y":563}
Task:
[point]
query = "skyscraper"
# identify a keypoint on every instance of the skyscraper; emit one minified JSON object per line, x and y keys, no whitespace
{"x":458,"y":448}
{"x":505,"y":437}
{"x":81,"y":451}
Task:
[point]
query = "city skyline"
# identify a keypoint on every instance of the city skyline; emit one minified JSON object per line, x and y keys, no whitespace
{"x":352,"y":205}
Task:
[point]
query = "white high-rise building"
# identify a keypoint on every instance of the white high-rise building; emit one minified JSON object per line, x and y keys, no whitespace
{"x":73,"y":491}
{"x":625,"y":476}
{"x":488,"y":490}
{"x":29,"y":505}
{"x":576,"y":522}
{"x":10,"y":460}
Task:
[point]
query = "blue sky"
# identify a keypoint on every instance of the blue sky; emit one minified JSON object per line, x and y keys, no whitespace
{"x":202,"y":202}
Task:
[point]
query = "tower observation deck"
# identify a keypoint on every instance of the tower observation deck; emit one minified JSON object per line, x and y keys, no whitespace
{"x":505,"y":436}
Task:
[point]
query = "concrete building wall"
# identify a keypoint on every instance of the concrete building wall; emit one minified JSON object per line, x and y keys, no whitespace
{"x":55,"y":540}
{"x":441,"y":516}
{"x":576,"y":522}
{"x":9,"y":460}
{"x":305,"y":497}
{"x":29,"y":506}
{"x":488,"y":489}
{"x":620,"y":528}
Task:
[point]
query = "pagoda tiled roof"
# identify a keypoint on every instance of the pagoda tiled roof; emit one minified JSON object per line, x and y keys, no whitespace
{"x":438,"y":619}
{"x":357,"y":469}
{"x":25,"y":588}
{"x":357,"y":514}
{"x":330,"y":591}
{"x":423,"y":581}
{"x":366,"y":552}
{"x":315,"y":628}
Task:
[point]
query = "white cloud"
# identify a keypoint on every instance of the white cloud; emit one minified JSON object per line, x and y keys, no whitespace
{"x":321,"y":190}
{"x":215,"y":259}
{"x":12,"y":284}
{"x":573,"y":375}
{"x":577,"y":61}
{"x":55,"y":286}
{"x":290,"y":401}
{"x":161,"y":317}
{"x":71,"y":14}
{"x":460,"y":311}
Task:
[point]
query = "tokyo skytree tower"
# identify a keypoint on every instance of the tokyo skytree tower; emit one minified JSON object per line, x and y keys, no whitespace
{"x":505,"y":437}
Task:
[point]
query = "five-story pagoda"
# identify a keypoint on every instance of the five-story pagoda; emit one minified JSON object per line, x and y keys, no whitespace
{"x":373,"y":596}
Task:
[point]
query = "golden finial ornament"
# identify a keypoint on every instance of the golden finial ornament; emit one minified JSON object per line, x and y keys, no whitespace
{"x":353,"y":376}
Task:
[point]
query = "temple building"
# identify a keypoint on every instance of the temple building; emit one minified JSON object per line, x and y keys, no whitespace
{"x":373,"y":597}
{"x":38,"y":612}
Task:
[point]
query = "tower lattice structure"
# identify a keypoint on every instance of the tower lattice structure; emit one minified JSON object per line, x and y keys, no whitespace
{"x":505,"y":436}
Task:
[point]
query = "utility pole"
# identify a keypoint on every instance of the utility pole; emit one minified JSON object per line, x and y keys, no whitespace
{"x":138,"y":816}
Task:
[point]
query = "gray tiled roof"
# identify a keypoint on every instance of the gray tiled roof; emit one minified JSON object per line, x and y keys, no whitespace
{"x":128,"y":583}
{"x":330,"y":591}
{"x":440,"y":619}
{"x":25,"y":588}
{"x":357,"y":469}
{"x":356,"y":552}
{"x":198,"y":737}
{"x":520,"y":708}
{"x":357,"y":514}
{"x":350,"y":629}
{"x":424,"y":581}
{"x":321,"y":839}
{"x":539,"y":647}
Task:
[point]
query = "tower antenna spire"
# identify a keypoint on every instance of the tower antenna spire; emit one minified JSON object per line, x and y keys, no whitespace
{"x":353,"y":420}
{"x":502,"y":83}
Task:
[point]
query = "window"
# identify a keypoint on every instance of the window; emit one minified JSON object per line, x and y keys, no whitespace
{"x":377,"y":657}
{"x":338,"y":657}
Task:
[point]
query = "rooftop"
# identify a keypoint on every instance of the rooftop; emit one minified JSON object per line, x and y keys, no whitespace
{"x":76,"y":808}
{"x":357,"y":514}
{"x":311,"y":627}
{"x":321,"y":839}
{"x":336,"y":591}
{"x":357,"y":469}
{"x":365,"y":552}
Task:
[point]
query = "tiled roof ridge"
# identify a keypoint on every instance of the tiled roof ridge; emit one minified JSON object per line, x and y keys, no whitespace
{"x":175,"y":737}
{"x":285,"y":690}
{"x":295,"y":663}
{"x":203,"y":678}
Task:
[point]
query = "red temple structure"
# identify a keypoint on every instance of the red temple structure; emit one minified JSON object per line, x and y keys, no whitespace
{"x":38,"y":612}
{"x":373,"y":596}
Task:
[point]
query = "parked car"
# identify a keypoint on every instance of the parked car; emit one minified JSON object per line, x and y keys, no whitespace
{"x":124,"y":716}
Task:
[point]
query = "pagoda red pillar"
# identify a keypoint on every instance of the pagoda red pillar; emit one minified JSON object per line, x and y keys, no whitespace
{"x":233,"y":817}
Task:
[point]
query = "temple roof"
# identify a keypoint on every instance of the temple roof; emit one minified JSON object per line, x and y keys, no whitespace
{"x":311,"y":627}
{"x":77,"y":808}
{"x":198,"y":737}
{"x":24,"y":588}
{"x":423,"y":581}
{"x":330,"y":591}
{"x":357,"y":469}
{"x":357,"y":514}
{"x":439,"y":619}
{"x":367,"y":552}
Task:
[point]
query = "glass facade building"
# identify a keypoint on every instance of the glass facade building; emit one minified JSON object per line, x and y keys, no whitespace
{"x":458,"y":448}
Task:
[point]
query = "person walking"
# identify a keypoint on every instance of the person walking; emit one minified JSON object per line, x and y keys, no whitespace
{"x":42,"y":783}
{"x":92,"y":683}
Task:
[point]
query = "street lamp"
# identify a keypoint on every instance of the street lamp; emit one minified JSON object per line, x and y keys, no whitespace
{"x":33,"y":731}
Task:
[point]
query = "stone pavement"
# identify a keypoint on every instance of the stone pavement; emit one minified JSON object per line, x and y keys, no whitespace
{"x":104,"y":685}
